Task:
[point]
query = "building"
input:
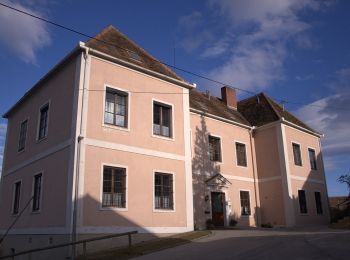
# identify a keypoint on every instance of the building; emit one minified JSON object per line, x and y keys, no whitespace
{"x":112,"y":140}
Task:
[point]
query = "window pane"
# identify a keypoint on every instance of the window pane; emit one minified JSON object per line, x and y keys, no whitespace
{"x":43,"y":122}
{"x":302,"y":201}
{"x":156,"y":114}
{"x":162,"y":120}
{"x":114,"y":187}
{"x":119,"y":120}
{"x":156,"y":129}
{"x":245,"y":203}
{"x":37,"y":192}
{"x":163,"y":191}
{"x":17,"y":194}
{"x":214,"y":149}
{"x":22,"y":135}
{"x":318,"y":201}
{"x":166,"y":116}
{"x":297,"y":154}
{"x":312,"y":157}
{"x":116,"y":109}
{"x":241,"y":154}
{"x":108,"y":118}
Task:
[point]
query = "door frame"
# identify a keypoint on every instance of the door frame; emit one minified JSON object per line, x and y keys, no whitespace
{"x":224,"y":206}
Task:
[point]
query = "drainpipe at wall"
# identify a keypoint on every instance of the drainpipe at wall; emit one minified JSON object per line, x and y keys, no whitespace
{"x":257,"y":205}
{"x":79,"y":138}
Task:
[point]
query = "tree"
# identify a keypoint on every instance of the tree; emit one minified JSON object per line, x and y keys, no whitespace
{"x":345,"y":179}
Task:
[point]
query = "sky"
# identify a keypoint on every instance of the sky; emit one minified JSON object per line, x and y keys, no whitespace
{"x":293,"y":50}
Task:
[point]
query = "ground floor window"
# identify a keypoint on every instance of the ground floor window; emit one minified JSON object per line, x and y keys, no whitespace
{"x":16,"y":198}
{"x":37,"y":192}
{"x":114,"y":187}
{"x":163,"y":191}
{"x":318,"y":201}
{"x":245,"y":203}
{"x":302,"y":201}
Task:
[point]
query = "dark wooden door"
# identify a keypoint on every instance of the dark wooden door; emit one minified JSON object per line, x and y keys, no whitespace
{"x":217,"y":208}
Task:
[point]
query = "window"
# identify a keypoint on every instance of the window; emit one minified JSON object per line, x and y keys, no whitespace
{"x":43,"y":122}
{"x":245,"y":203}
{"x":302,"y":201}
{"x":37,"y":192}
{"x":312,"y":157}
{"x":114,"y":187}
{"x":297,"y":154}
{"x":318,"y":201}
{"x":116,"y":108}
{"x":241,"y":154}
{"x":163,"y":191}
{"x":162,"y":120}
{"x":22,"y":135}
{"x":214,"y":149}
{"x":17,"y":196}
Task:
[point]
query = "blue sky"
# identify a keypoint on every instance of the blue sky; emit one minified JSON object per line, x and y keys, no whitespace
{"x":295,"y":50}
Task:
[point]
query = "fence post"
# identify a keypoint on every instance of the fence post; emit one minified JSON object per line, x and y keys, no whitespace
{"x":129,"y":237}
{"x":84,"y":249}
{"x":13,"y":251}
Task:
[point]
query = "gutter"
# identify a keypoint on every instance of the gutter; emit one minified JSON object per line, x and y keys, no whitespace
{"x":301,"y":128}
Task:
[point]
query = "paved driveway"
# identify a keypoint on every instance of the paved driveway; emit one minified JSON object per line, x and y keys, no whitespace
{"x":263,"y":244}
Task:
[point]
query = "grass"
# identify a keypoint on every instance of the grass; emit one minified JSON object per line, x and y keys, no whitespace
{"x":147,"y":247}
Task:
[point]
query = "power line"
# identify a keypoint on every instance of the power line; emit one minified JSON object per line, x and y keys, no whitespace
{"x":164,"y":63}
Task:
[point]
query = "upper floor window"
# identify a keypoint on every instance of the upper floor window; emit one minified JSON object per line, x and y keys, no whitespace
{"x":302,"y":201}
{"x":114,"y":187}
{"x":163,"y":191}
{"x":318,"y":202}
{"x":162,"y":119}
{"x":116,"y":108}
{"x":245,"y":203}
{"x":43,"y":122}
{"x":22,"y":135}
{"x":312,"y":157}
{"x":214,"y":149}
{"x":297,"y":154}
{"x":37,"y":192}
{"x":16,"y":198}
{"x":241,"y":154}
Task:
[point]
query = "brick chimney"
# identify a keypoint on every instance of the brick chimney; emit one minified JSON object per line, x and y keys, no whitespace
{"x":228,"y":96}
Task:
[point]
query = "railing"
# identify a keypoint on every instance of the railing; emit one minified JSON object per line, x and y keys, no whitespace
{"x":84,"y":242}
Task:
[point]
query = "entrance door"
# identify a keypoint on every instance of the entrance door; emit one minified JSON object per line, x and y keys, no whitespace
{"x":217,"y":208}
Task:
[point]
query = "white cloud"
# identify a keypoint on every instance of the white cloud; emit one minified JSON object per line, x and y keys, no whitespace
{"x":331,"y":114}
{"x":218,"y":48}
{"x":21,"y":34}
{"x":305,"y":78}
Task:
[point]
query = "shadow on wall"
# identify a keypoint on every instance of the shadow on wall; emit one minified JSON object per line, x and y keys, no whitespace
{"x":202,"y":169}
{"x":100,"y":222}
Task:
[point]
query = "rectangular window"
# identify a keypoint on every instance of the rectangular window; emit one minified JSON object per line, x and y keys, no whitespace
{"x":318,"y":201}
{"x":245,"y":203}
{"x":163,"y":191}
{"x":162,"y":120}
{"x":22,"y":135}
{"x":302,"y":201}
{"x":43,"y":122}
{"x":17,"y":196}
{"x":241,"y":154}
{"x":116,"y":108}
{"x":37,"y":192}
{"x":114,"y":187}
{"x":297,"y":154}
{"x":312,"y":157}
{"x":214,"y":149}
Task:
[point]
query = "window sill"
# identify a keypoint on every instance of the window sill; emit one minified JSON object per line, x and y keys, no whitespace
{"x":113,"y":209}
{"x":41,"y":140}
{"x":163,"y":137}
{"x":21,"y":151}
{"x":35,"y":212}
{"x":126,"y":129}
{"x":163,"y":210}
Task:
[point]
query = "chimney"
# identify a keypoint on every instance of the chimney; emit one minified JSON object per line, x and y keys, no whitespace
{"x":228,"y":96}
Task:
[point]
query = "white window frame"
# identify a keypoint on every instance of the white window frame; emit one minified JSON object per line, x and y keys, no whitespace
{"x":246,"y":154}
{"x":221,"y":149}
{"x":41,"y":193}
{"x":153,"y":191}
{"x":250,"y":204}
{"x":13,"y":197}
{"x":301,"y":154}
{"x":128,"y":93}
{"x":308,"y":154}
{"x":172,"y":138}
{"x":126,"y":187}
{"x":48,"y":121}
{"x":19,"y":135}
{"x":307,"y":207}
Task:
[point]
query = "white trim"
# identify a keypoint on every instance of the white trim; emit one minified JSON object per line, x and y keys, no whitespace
{"x":307,"y":209}
{"x":122,"y":229}
{"x":133,"y":149}
{"x":38,"y":157}
{"x":103,"y":164}
{"x":238,"y":178}
{"x":188,"y":159}
{"x":246,"y":154}
{"x":128,"y":95}
{"x":250,"y":204}
{"x":41,"y":192}
{"x":302,"y":129}
{"x":13,"y":197}
{"x":46,"y":103}
{"x":172,"y":128}
{"x":300,"y":151}
{"x":19,"y":135}
{"x":308,"y":153}
{"x":218,"y":118}
{"x":221,"y":149}
{"x":174,"y":192}
{"x":267,"y":179}
{"x":306,"y":179}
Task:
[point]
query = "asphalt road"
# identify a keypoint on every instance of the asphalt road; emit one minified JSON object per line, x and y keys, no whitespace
{"x":263,"y":244}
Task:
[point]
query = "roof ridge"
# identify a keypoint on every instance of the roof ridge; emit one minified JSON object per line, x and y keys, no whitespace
{"x":271,"y":103}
